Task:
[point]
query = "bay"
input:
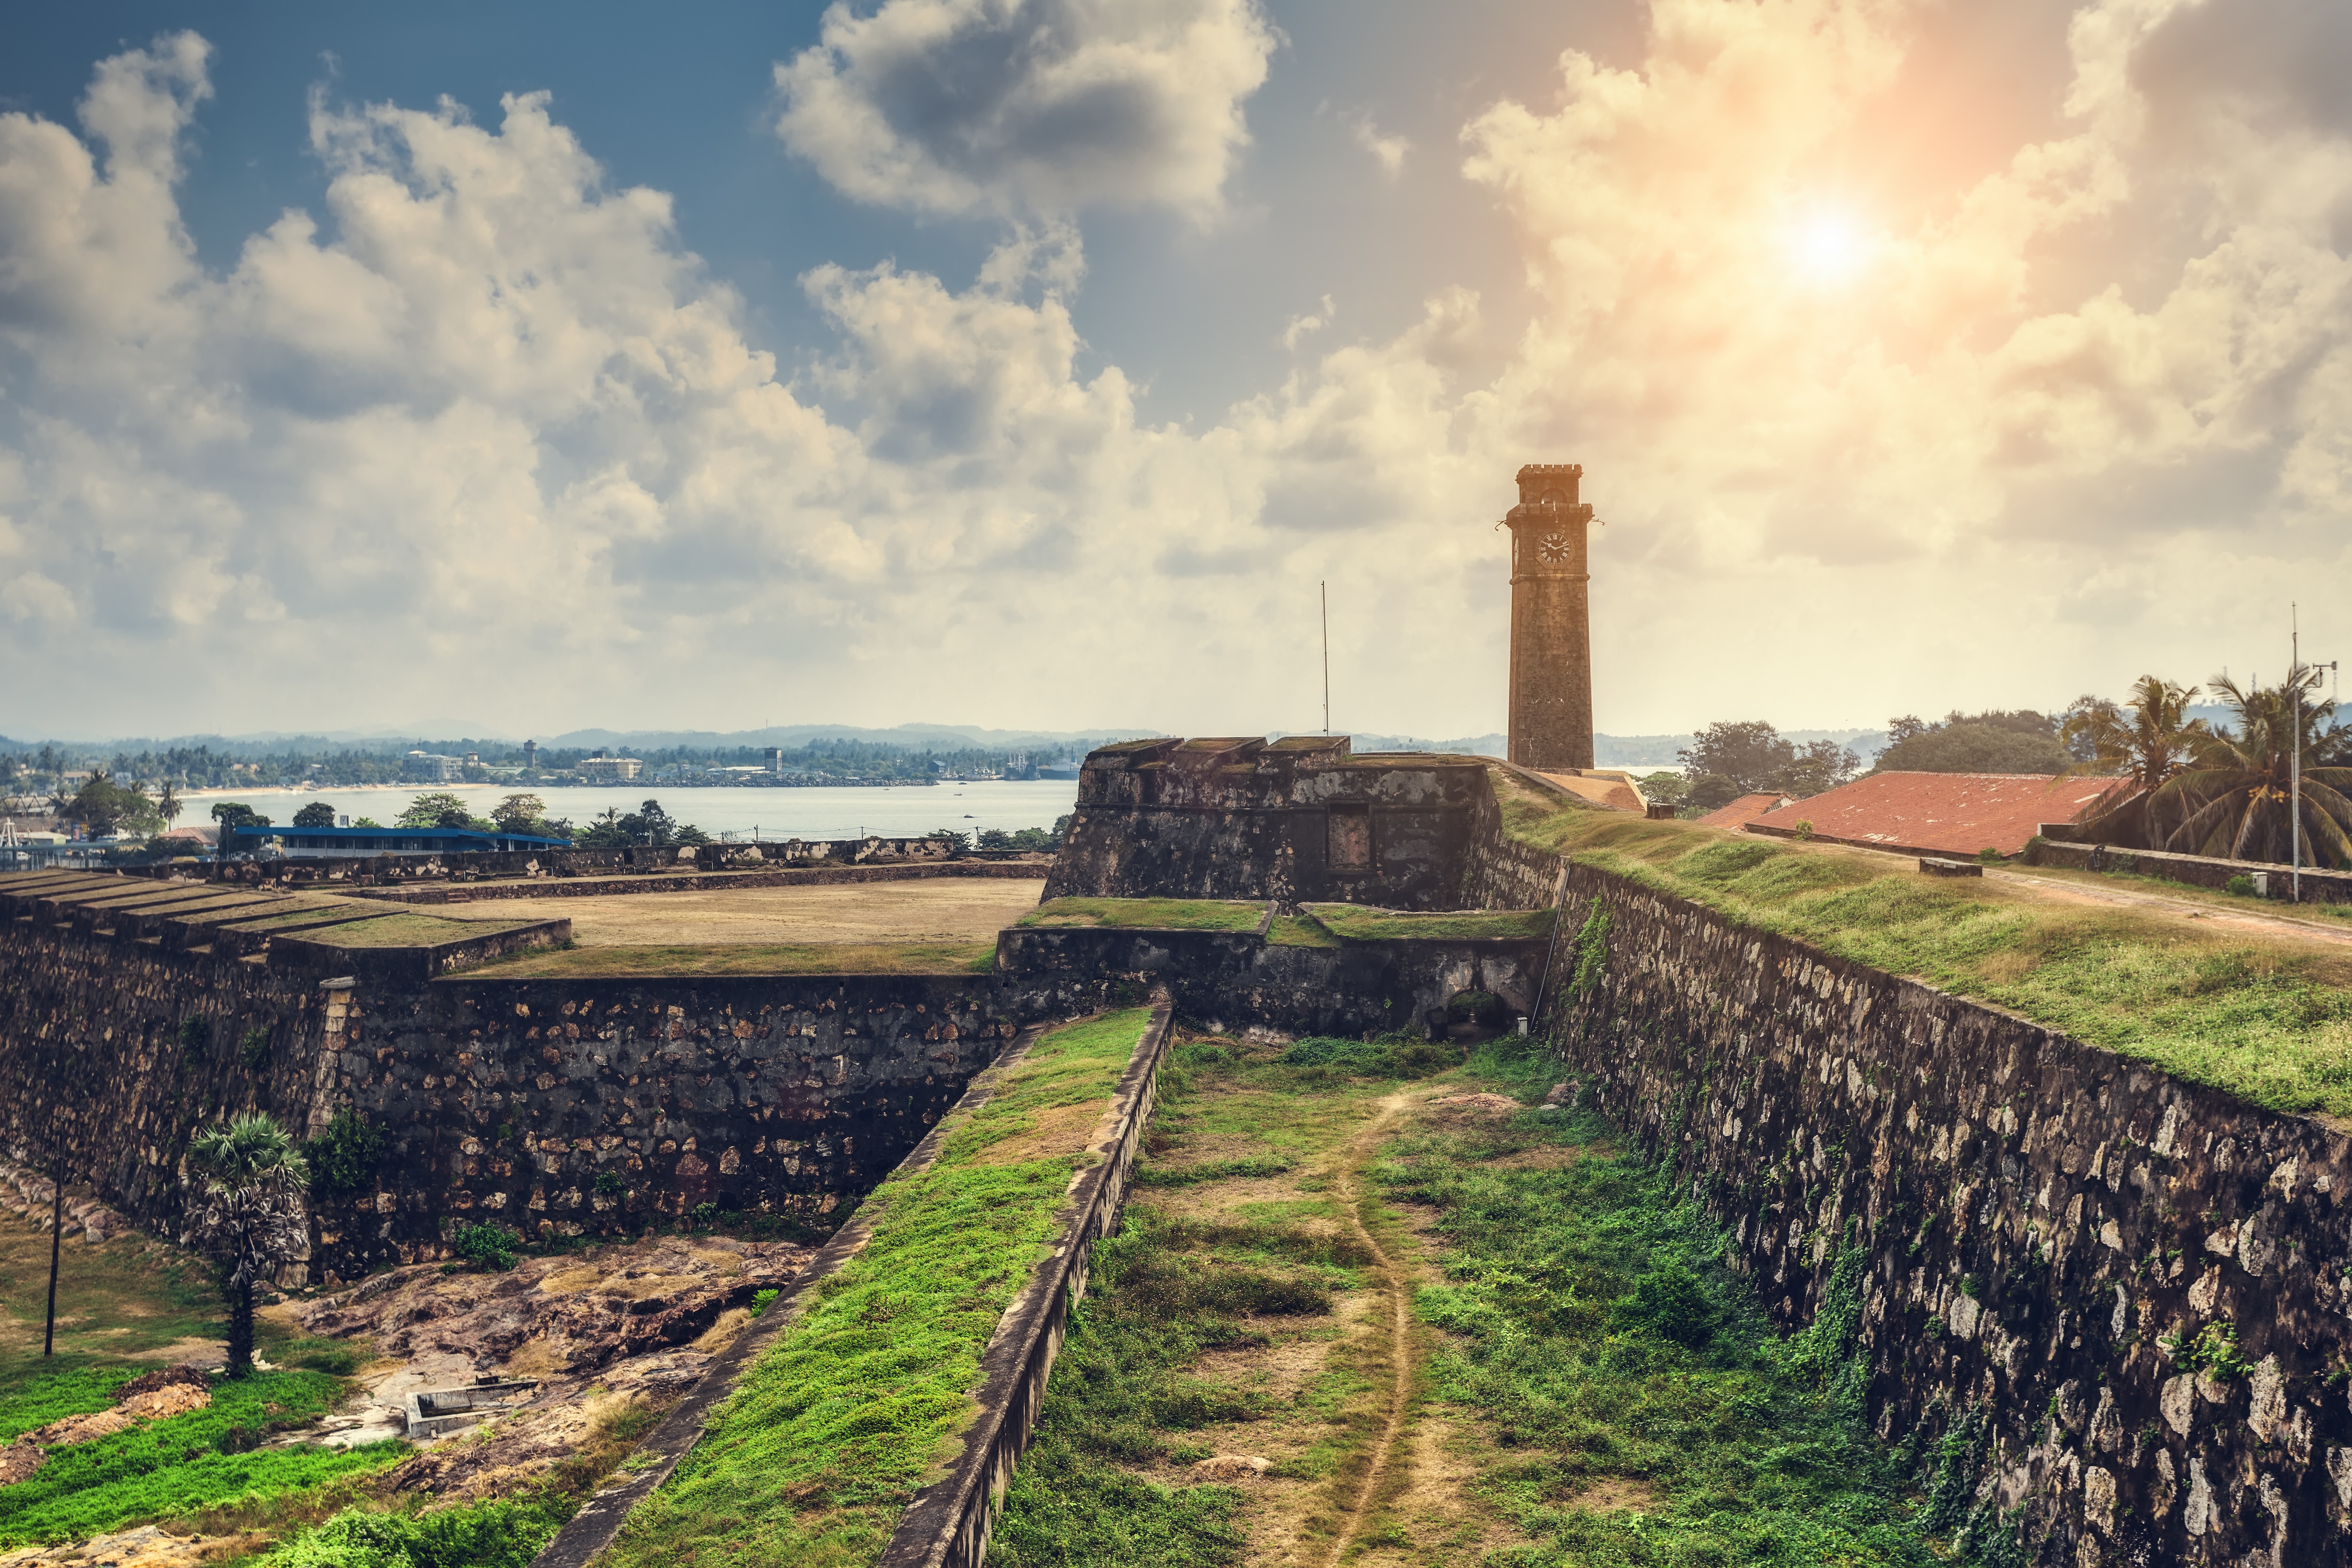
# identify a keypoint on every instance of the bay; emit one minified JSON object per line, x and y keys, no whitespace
{"x":818,"y":811}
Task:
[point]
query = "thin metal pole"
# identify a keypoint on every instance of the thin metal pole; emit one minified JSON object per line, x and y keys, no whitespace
{"x":2294,"y":806}
{"x":1326,"y":589}
{"x":56,"y":1231}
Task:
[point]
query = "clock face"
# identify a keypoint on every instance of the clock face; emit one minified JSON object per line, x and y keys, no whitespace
{"x":1552,"y":548}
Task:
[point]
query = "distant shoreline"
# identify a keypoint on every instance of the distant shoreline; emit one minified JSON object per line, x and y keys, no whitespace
{"x":623,"y":783}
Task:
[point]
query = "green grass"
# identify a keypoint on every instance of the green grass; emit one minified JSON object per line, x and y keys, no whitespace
{"x":1593,"y":1335}
{"x":2267,"y":1018}
{"x":1357,"y":923}
{"x":845,"y":958}
{"x":410,"y":931}
{"x":859,"y":1401}
{"x":1299,"y":931}
{"x":500,"y":1532}
{"x":160,"y":1469}
{"x":1153,"y":914}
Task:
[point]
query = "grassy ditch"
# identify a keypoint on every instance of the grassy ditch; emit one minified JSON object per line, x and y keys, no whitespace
{"x":1635,"y":1402}
{"x":807,"y":958}
{"x":1149,"y":914}
{"x":844,"y":1418}
{"x":1357,"y":923}
{"x":2267,"y":1018}
{"x":1587,"y":1382}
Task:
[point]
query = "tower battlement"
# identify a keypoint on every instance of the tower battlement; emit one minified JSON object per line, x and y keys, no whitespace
{"x":1549,"y":484}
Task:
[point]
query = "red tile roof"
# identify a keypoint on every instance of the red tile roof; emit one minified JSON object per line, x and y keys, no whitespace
{"x":1743,"y":811}
{"x":1938,"y":813}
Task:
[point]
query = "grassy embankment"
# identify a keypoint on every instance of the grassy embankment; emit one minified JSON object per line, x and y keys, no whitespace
{"x":124,"y":1309}
{"x":839,"y":1422}
{"x":1149,"y":914}
{"x":2265,"y":1018}
{"x":1459,"y":1337}
{"x":843,"y":958}
{"x":1357,"y":923}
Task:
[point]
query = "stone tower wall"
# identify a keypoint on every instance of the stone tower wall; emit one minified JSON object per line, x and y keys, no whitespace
{"x":1551,"y":629}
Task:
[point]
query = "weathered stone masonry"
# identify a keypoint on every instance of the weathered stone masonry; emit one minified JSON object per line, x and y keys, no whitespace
{"x":2039,"y":1218}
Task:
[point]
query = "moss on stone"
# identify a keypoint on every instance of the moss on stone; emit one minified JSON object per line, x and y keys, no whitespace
{"x":1149,"y":914}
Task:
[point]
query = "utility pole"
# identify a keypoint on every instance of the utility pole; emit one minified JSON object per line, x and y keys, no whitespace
{"x":2294,"y":776}
{"x":1326,"y":588}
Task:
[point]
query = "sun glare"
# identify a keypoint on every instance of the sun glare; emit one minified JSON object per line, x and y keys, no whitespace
{"x":1829,"y":247}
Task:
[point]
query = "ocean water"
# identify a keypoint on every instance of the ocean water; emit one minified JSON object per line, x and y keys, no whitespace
{"x":824,"y":811}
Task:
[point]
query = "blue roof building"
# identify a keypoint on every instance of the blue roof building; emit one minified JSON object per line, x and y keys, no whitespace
{"x":350,"y":841}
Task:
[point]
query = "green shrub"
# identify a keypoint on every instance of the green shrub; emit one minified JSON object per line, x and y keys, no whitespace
{"x":1672,"y":1300}
{"x":1988,"y":856}
{"x":763,"y":1299}
{"x":2240,"y":884}
{"x":343,"y":1157}
{"x":254,"y":1049}
{"x":609,"y":1182}
{"x":490,"y":1247}
{"x":500,"y":1534}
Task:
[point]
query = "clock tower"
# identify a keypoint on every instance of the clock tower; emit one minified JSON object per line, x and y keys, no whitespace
{"x":1551,"y":621}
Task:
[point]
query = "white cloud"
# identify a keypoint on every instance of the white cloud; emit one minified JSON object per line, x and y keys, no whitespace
{"x":483,"y":420}
{"x":1388,"y":151}
{"x":1018,"y":107}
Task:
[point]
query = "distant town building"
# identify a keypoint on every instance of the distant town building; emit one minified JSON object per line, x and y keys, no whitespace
{"x":431,"y":767}
{"x":775,"y":755}
{"x":311,"y":842}
{"x":531,"y":756}
{"x":611,"y":770}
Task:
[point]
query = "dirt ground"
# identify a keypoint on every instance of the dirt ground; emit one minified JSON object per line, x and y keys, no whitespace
{"x":947,"y":909}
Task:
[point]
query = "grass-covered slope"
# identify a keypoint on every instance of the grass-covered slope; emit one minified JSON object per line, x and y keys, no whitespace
{"x":749,"y":958}
{"x":1149,"y":914}
{"x":1361,"y":924}
{"x":844,"y":1418}
{"x":2266,"y":1016}
{"x":156,"y":1470}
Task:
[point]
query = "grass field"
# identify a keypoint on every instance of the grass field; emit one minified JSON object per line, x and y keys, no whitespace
{"x":1149,"y":914}
{"x":843,"y":958}
{"x":2265,"y":1018}
{"x":1361,"y":924}
{"x":839,"y":1422}
{"x":1456,"y":1336}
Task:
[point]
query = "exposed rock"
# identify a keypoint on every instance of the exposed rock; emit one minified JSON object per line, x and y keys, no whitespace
{"x":164,"y":1377}
{"x":1231,"y":1468}
{"x":146,"y":1547}
{"x":1497,"y":1104}
{"x":172,"y":1399}
{"x":558,"y":1316}
{"x":81,"y":1428}
{"x":18,"y":1460}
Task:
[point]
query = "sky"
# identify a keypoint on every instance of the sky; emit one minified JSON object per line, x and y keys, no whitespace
{"x":1039,"y":363}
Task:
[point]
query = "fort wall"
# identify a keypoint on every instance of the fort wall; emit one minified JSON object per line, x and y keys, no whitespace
{"x":2043,"y":1231}
{"x":1301,"y":820}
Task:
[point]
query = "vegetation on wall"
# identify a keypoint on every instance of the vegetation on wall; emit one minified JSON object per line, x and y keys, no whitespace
{"x":2267,"y":1018}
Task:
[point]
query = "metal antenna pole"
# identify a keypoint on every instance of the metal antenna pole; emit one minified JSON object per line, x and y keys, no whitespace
{"x":1325,"y":588}
{"x":2294,"y":787}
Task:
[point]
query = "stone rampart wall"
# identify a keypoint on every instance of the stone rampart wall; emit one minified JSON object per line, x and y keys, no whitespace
{"x":582,"y":1105}
{"x":2042,"y":1223}
{"x":1239,"y":981}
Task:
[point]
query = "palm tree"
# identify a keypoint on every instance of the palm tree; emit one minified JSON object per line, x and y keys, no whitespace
{"x":2149,"y":739}
{"x":168,"y":805}
{"x":250,"y":1217}
{"x":2232,"y":801}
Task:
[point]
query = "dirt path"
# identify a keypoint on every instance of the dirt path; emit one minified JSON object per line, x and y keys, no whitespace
{"x":2067,"y":891}
{"x":1396,"y":1303}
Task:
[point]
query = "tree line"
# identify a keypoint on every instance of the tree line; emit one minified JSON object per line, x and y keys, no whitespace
{"x":2228,"y":790}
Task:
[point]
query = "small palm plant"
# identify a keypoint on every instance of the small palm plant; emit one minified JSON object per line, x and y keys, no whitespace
{"x":2149,"y":739}
{"x":169,"y":805}
{"x":249,"y":1215}
{"x":2234,"y":799}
